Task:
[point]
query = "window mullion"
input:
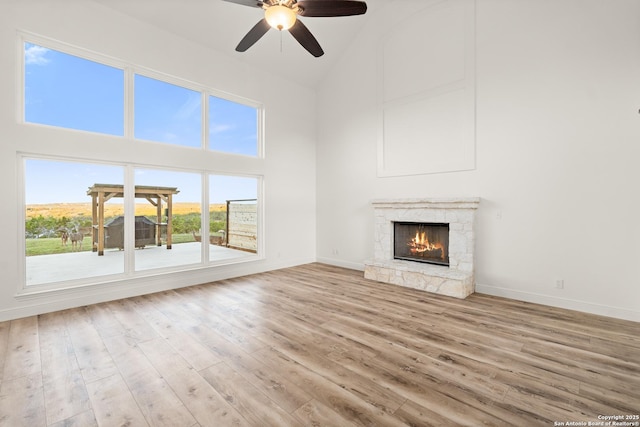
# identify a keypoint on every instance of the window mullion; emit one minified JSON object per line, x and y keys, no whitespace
{"x":205,"y":120}
{"x":128,"y":102}
{"x":129,"y":216}
{"x":205,"y":217}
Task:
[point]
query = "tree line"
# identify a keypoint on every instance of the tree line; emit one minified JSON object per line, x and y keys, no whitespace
{"x":47,"y":226}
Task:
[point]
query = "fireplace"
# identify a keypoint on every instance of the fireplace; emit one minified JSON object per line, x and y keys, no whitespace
{"x":439,"y":233}
{"x":421,"y":242}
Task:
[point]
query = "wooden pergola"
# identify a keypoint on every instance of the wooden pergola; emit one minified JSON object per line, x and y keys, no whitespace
{"x":101,"y":193}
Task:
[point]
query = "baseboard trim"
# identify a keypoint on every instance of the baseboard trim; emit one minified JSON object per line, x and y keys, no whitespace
{"x":569,"y":304}
{"x":341,"y":263}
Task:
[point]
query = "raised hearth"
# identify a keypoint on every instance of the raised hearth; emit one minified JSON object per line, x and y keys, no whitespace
{"x":457,"y":279}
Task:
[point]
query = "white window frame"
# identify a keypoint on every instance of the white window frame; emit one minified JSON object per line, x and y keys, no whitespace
{"x":130,"y":70}
{"x":129,"y":201}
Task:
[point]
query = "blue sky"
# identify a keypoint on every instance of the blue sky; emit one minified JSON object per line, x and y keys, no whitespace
{"x":73,"y":179}
{"x":67,"y":91}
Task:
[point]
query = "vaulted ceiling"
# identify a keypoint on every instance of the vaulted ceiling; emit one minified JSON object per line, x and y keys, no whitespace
{"x":221,"y":25}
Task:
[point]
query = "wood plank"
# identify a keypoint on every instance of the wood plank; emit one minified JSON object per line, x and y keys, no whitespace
{"x":84,"y":419}
{"x":314,"y":413}
{"x":256,"y":407}
{"x":65,"y":396}
{"x":156,"y":399}
{"x":286,"y":394}
{"x":209,"y":316}
{"x":133,"y":323}
{"x":192,"y":350}
{"x":22,"y":401}
{"x":113,"y":403}
{"x":94,"y":360}
{"x":23,"y":349}
{"x":163,"y":357}
{"x":65,"y":393}
{"x":104,"y":321}
{"x":415,"y":415}
{"x":4,"y":344}
{"x":206,"y":405}
{"x":331,"y":394}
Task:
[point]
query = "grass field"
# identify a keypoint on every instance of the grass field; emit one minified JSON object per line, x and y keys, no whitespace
{"x":47,"y":246}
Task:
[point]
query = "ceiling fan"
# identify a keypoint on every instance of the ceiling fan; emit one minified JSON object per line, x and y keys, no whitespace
{"x":282,"y":15}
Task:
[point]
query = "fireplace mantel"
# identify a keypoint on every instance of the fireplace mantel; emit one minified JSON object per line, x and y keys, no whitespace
{"x":457,"y":279}
{"x":428,"y":203}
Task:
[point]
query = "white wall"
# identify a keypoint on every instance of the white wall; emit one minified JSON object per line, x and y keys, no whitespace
{"x":288,"y":169}
{"x":557,"y":150}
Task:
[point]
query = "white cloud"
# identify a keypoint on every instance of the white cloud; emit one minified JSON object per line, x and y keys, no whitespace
{"x":36,"y":55}
{"x":190,"y":108}
{"x":220,"y":128}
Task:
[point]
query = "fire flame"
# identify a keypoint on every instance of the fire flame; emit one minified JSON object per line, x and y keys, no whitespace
{"x":421,"y":244}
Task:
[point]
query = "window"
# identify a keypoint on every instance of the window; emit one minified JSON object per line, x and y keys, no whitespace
{"x":88,"y":218}
{"x":59,"y":224}
{"x":76,"y":226}
{"x":167,"y":113}
{"x":233,"y":212}
{"x":168,"y":216}
{"x":70,"y":92}
{"x":233,"y":127}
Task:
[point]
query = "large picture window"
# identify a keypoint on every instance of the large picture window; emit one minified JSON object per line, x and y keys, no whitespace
{"x":76,"y":223}
{"x":137,"y":213}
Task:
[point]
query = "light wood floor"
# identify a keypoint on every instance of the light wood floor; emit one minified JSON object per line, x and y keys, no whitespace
{"x":315,"y":345}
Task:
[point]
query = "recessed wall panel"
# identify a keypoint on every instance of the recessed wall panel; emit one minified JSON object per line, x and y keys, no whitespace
{"x":427,"y":92}
{"x":429,"y":134}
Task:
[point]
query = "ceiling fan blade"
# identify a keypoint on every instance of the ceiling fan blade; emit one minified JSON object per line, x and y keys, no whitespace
{"x":254,"y":34}
{"x":301,"y":33}
{"x":251,"y":3}
{"x":326,"y":8}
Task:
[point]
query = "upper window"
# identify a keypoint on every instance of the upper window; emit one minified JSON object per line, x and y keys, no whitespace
{"x":233,"y":127}
{"x":167,"y":113}
{"x":71,"y":92}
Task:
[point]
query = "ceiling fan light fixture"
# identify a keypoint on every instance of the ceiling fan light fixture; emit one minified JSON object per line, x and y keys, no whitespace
{"x":280,"y":17}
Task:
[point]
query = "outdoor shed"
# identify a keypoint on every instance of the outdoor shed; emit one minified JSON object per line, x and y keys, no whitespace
{"x":145,"y":232}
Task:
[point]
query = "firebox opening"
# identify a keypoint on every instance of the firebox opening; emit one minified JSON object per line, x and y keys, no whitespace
{"x":421,"y":242}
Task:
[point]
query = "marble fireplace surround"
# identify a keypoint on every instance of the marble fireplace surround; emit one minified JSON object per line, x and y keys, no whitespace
{"x":456,"y":280}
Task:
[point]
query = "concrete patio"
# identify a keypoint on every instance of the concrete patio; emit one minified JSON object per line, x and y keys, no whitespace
{"x":77,"y":265}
